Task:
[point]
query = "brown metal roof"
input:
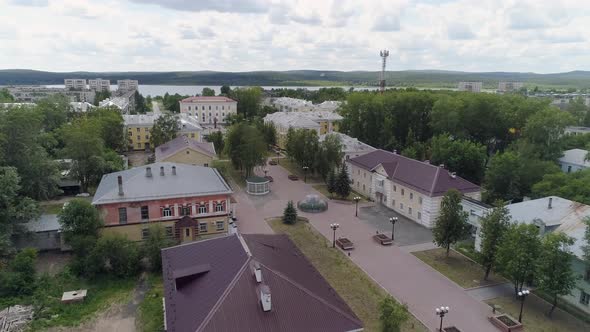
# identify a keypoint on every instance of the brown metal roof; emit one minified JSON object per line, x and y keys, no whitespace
{"x":180,"y":143}
{"x":302,"y":300}
{"x":421,"y":176}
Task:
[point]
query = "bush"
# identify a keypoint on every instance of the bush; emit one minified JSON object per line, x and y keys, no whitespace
{"x":20,"y":278}
{"x":392,"y":315}
{"x":115,"y":255}
{"x":153,"y":245}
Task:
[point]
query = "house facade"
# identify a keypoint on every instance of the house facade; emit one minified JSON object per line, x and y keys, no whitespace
{"x":209,"y":110}
{"x":323,"y":122}
{"x":573,"y":160}
{"x":186,"y":151}
{"x":138,"y":127}
{"x":410,"y":187}
{"x":189,"y":201}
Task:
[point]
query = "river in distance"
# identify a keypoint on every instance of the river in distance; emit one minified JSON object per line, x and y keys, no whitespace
{"x":191,"y":90}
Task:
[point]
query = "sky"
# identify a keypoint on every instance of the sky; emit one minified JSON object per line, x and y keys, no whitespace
{"x":245,"y":35}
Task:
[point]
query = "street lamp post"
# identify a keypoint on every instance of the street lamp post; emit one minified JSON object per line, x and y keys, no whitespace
{"x":522,"y":294}
{"x":334,"y":227}
{"x":265,"y":171}
{"x":305,"y":168}
{"x":392,"y":220}
{"x":278,"y":155}
{"x":356,"y":200}
{"x":441,"y":312}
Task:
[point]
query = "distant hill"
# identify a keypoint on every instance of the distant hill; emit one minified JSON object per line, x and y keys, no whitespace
{"x":407,"y":78}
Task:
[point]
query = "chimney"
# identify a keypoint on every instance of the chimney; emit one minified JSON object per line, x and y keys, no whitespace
{"x":265,"y":298}
{"x":148,"y":172}
{"x":550,"y":203}
{"x":173,"y":170}
{"x":257,"y":271}
{"x":161,"y":170}
{"x":120,"y":182}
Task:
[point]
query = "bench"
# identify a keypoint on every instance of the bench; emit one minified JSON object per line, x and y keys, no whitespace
{"x":383,"y":239}
{"x":345,"y":244}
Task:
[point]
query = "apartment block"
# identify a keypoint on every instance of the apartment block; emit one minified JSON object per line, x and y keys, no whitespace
{"x":98,"y":84}
{"x":127,"y":85}
{"x":209,"y":110}
{"x":507,"y":86}
{"x":75,"y":83}
{"x":470,"y":86}
{"x":323,"y":122}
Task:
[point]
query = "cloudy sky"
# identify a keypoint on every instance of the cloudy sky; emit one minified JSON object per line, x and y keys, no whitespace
{"x":242,"y":35}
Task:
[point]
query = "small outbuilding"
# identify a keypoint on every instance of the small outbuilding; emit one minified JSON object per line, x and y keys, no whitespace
{"x":256,"y":185}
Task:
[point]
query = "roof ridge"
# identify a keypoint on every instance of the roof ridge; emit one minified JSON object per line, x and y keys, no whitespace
{"x":223,"y":296}
{"x":435,"y":180}
{"x":310,"y":293}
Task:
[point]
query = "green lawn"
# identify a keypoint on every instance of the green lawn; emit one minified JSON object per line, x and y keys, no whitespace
{"x":52,"y":208}
{"x":151,"y":313}
{"x":102,"y":293}
{"x":323,"y":189}
{"x":361,"y":293}
{"x":457,"y":267}
{"x":293,"y":168}
{"x":227,"y":170}
{"x":535,"y":318}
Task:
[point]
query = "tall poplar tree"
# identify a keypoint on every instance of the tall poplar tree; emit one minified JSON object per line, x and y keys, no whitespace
{"x":450,"y":225}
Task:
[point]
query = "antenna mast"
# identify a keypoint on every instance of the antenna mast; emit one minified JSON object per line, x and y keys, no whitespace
{"x":384,"y":54}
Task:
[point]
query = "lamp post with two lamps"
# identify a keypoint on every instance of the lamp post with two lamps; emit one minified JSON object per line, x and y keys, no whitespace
{"x":441,"y":312}
{"x":522,"y":295}
{"x":356,"y":200}
{"x":393,"y":220}
{"x":305,"y":168}
{"x":334,"y":227}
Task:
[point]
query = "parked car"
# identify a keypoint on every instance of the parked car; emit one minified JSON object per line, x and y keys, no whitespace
{"x":293,"y":177}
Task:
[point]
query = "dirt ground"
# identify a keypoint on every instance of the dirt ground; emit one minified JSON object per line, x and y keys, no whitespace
{"x":137,"y":158}
{"x":118,"y":318}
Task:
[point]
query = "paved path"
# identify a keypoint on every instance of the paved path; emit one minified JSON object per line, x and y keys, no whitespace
{"x":491,"y":292}
{"x":404,"y":276}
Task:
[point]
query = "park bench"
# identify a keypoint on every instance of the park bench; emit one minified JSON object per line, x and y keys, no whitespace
{"x":345,"y":244}
{"x":383,"y":239}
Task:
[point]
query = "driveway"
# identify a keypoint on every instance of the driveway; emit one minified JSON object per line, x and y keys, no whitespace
{"x":404,"y":276}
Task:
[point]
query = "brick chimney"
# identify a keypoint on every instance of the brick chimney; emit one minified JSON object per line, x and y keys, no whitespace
{"x":256,"y":271}
{"x":120,"y":182}
{"x":265,"y":300}
{"x":148,"y":172}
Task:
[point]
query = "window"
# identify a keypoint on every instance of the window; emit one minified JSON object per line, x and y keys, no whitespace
{"x":206,"y":165}
{"x":145,"y":233}
{"x":203,"y":227}
{"x":192,"y":136}
{"x":188,"y":152}
{"x":137,"y":129}
{"x":587,"y":275}
{"x":364,"y":189}
{"x":584,"y":298}
{"x":364,"y":175}
{"x":203,"y":108}
{"x":147,"y":130}
{"x":393,"y":203}
{"x":169,"y":231}
{"x":139,"y":145}
{"x":222,"y":107}
{"x":218,"y":207}
{"x":138,"y":137}
{"x":420,"y":199}
{"x":410,"y":210}
{"x":219,"y":225}
{"x":166,"y":212}
{"x":569,"y":169}
{"x":122,"y":215}
{"x":419,"y":216}
{"x":147,"y":136}
{"x":411,"y":195}
{"x":401,"y":206}
{"x":187,"y":232}
{"x":216,"y":107}
{"x":130,"y":133}
{"x":185,"y":210}
{"x":402,"y":191}
{"x":145,"y":213}
{"x":189,"y":108}
{"x":202,"y":208}
{"x":358,"y":171}
{"x":209,"y":108}
{"x":394,"y":188}
{"x":223,"y":114}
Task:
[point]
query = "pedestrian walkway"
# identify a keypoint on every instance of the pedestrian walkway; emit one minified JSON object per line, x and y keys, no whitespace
{"x":491,"y":292}
{"x":419,"y":247}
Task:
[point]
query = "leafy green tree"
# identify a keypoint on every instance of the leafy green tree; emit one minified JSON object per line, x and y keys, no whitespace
{"x":217,"y":139}
{"x":245,"y":147}
{"x":586,"y":247}
{"x":14,"y":209}
{"x":165,"y":129}
{"x":544,"y":130}
{"x":114,"y":255}
{"x":20,"y":279}
{"x":111,"y":124}
{"x":450,"y":225}
{"x":153,"y":245}
{"x":5,"y":96}
{"x":573,"y":186}
{"x":248,"y":101}
{"x":578,"y":109}
{"x":208,"y":92}
{"x":493,"y":227}
{"x":141,"y":106}
{"x":518,"y":253}
{"x":100,"y":96}
{"x":462,"y":156}
{"x":331,"y":183}
{"x":392,"y":315}
{"x":290,"y":214}
{"x":343,"y":182}
{"x":554,"y":270}
{"x":54,"y":110}
{"x":172,"y":102}
{"x":225,"y":90}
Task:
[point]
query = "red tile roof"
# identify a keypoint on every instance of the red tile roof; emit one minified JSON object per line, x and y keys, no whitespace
{"x":224,"y":295}
{"x":421,"y":176}
{"x":207,"y":99}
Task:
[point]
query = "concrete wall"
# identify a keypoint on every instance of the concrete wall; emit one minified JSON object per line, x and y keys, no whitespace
{"x":569,"y":167}
{"x":190,"y":157}
{"x":581,"y":286}
{"x":362,"y":180}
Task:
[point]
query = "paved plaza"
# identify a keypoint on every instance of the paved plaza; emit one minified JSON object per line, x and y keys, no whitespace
{"x":404,"y":276}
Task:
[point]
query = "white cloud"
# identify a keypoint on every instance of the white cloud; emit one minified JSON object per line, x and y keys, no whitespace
{"x":30,"y":3}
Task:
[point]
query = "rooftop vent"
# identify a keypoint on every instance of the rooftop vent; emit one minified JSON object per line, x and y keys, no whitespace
{"x":173,"y":170}
{"x":549,"y":205}
{"x":453,"y":175}
{"x":395,"y":151}
{"x":441,"y":165}
{"x":265,"y":298}
{"x":120,"y":182}
{"x":148,"y":172}
{"x":161,"y":170}
{"x":255,"y":266}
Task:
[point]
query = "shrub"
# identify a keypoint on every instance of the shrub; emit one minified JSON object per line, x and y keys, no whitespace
{"x":153,"y":245}
{"x":392,"y":315}
{"x":115,"y":255}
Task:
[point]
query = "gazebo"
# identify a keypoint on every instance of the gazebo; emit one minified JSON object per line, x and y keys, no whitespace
{"x":256,"y":185}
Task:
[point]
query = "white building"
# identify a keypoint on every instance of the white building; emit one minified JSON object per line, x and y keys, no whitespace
{"x":288,"y":104}
{"x":470,"y":86}
{"x":507,"y":86}
{"x":121,"y":103}
{"x":75,"y":83}
{"x":127,"y":85}
{"x":209,"y":110}
{"x":574,"y":160}
{"x":573,"y":130}
{"x":81,"y":107}
{"x":322,"y":122}
{"x":351,"y":147}
{"x":34,"y":93}
{"x":98,"y":84}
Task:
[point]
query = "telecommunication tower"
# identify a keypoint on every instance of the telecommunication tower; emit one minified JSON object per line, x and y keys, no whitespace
{"x":384,"y":54}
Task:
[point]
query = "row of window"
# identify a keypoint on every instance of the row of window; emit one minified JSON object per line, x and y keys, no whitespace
{"x":403,"y":192}
{"x":147,"y":130}
{"x":203,"y":228}
{"x":216,"y":108}
{"x":401,"y":207}
{"x":184,"y":210}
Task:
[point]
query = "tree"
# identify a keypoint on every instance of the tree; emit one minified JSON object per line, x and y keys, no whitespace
{"x":544,"y":130}
{"x":114,"y":255}
{"x":269,"y":133}
{"x":245,"y":147}
{"x":331,"y":183}
{"x":554,"y":270}
{"x":14,"y":209}
{"x":112,"y":127}
{"x":225,"y":90}
{"x":462,"y":156}
{"x":20,"y":278}
{"x":578,"y":109}
{"x":493,"y":228}
{"x":290,"y":214}
{"x":586,"y":248}
{"x":80,"y":224}
{"x":141,"y":106}
{"x":153,"y":245}
{"x":392,"y":315}
{"x":100,"y":96}
{"x":343,"y":183}
{"x":573,"y":186}
{"x":5,"y":96}
{"x":54,"y":110}
{"x":450,"y":225}
{"x":216,"y":138}
{"x":518,"y":253}
{"x":208,"y":92}
{"x":165,"y":129}
{"x":248,"y":101}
